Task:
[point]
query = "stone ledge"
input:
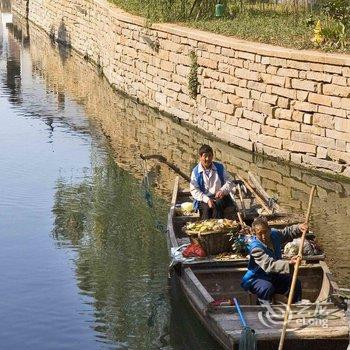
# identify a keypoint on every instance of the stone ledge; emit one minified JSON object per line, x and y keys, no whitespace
{"x":231,"y":42}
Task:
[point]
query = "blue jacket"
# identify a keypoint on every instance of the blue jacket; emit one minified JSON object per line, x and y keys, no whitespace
{"x":254,"y":270}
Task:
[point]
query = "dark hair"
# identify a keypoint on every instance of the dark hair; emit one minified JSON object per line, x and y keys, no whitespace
{"x":205,"y":149}
{"x":260,"y":221}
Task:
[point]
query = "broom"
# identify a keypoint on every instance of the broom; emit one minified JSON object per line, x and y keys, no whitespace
{"x":247,"y":340}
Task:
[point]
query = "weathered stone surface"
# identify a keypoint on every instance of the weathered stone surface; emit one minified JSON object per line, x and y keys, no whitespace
{"x":299,"y":147}
{"x":285,"y":103}
{"x":304,"y":85}
{"x":336,"y":90}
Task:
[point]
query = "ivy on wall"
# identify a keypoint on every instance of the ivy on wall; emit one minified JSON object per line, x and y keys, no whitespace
{"x":193,"y":83}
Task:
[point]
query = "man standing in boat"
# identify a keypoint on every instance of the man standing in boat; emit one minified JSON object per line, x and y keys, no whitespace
{"x":210,"y":186}
{"x":267,"y":273}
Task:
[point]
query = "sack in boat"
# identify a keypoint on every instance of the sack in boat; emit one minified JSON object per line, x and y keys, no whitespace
{"x":194,"y":250}
{"x":310,"y":248}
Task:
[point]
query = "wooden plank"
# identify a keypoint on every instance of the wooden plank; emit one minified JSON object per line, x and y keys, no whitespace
{"x":197,"y":287}
{"x":260,"y":190}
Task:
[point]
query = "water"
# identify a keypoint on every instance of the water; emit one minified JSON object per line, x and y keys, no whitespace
{"x":82,"y":263}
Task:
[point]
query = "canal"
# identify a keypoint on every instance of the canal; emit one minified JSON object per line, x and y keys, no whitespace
{"x":83,"y":259}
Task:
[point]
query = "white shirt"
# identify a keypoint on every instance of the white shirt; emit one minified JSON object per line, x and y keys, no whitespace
{"x":212,"y":184}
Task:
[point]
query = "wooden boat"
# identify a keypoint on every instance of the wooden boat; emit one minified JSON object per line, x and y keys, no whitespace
{"x":320,"y":324}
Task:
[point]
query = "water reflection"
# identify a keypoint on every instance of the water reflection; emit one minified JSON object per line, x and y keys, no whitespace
{"x":120,"y":261}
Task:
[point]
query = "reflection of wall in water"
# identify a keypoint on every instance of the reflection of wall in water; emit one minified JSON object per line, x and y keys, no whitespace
{"x":133,"y":128}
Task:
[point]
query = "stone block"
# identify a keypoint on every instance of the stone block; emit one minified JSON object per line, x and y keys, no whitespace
{"x":242,"y":92}
{"x":287,"y":72}
{"x":283,"y":133}
{"x":267,"y":98}
{"x":264,"y":108}
{"x":254,"y":85}
{"x":182,"y":70}
{"x":345,"y":103}
{"x":208,"y":63}
{"x":340,"y":145}
{"x":320,"y":99}
{"x":254,"y":116}
{"x":227,"y":52}
{"x":214,"y":94}
{"x":283,"y":114}
{"x":273,"y":79}
{"x":342,"y":124}
{"x":272,"y":122}
{"x":297,"y":116}
{"x":322,"y":164}
{"x":299,"y":147}
{"x":278,"y":62}
{"x":304,"y":106}
{"x":231,"y":120}
{"x":255,"y":95}
{"x":271,"y":70}
{"x":226,"y":108}
{"x":302,"y":95}
{"x":245,"y":123}
{"x":339,"y":80}
{"x":276,"y":153}
{"x":270,"y":141}
{"x":299,"y":65}
{"x":268,"y":130}
{"x":286,"y":124}
{"x":332,"y":111}
{"x":257,"y":67}
{"x":280,"y":91}
{"x":322,"y":77}
{"x":332,"y":69}
{"x":245,"y":55}
{"x":283,"y":102}
{"x":336,"y":90}
{"x":216,"y":115}
{"x":247,"y":74}
{"x":160,"y":98}
{"x":235,"y":62}
{"x":323,"y":120}
{"x":304,"y":85}
{"x":321,"y":153}
{"x":248,"y":103}
{"x":338,"y":135}
{"x":235,"y":100}
{"x":313,"y":129}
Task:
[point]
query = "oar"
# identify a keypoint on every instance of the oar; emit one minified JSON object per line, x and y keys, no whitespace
{"x":247,"y":340}
{"x":295,"y":274}
{"x":165,"y":161}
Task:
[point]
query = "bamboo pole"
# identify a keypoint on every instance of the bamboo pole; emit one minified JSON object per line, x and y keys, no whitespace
{"x":295,"y":274}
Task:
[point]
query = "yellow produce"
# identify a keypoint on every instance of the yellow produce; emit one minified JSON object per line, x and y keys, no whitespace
{"x":210,"y":225}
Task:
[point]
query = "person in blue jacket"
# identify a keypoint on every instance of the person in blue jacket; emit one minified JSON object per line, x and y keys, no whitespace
{"x":210,"y":185}
{"x":267,"y":273}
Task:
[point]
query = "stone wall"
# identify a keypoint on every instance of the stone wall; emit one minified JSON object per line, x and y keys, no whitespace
{"x":289,"y":104}
{"x":133,"y":128}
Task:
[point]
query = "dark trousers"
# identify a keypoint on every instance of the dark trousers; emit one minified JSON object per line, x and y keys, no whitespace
{"x":275,"y":283}
{"x":218,"y":211}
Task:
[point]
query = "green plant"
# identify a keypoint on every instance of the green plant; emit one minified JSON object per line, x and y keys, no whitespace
{"x":334,"y":34}
{"x":193,"y":76}
{"x":337,"y":9}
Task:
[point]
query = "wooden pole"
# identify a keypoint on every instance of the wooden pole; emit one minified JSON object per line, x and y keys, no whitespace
{"x":165,"y":161}
{"x":295,"y":274}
